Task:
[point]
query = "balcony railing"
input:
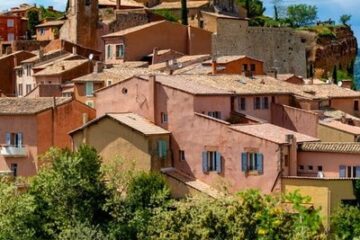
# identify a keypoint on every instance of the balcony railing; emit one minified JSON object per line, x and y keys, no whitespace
{"x":13,"y":151}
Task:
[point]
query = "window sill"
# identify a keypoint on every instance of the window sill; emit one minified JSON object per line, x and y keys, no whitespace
{"x":252,"y":173}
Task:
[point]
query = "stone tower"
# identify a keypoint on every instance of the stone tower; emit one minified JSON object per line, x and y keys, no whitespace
{"x":81,"y":24}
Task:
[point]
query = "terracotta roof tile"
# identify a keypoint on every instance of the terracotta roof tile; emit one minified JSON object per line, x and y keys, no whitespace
{"x":19,"y":106}
{"x":133,"y":29}
{"x":51,"y":23}
{"x":177,"y":5}
{"x":60,"y":67}
{"x":351,"y":147}
{"x":272,"y":133}
{"x":130,"y":3}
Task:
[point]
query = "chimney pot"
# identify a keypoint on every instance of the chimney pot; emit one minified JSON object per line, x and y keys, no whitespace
{"x":74,"y":50}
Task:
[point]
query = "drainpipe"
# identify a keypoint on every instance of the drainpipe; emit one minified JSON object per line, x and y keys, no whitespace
{"x":53,"y":125}
{"x":152,"y":98}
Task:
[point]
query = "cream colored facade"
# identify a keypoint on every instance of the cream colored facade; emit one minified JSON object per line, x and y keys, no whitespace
{"x":329,"y":134}
{"x":325,"y":194}
{"x":114,"y":140}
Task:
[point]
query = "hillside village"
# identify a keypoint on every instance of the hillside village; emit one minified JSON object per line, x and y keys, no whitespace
{"x":216,"y":102}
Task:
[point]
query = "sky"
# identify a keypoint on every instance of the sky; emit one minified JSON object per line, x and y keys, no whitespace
{"x":326,"y":8}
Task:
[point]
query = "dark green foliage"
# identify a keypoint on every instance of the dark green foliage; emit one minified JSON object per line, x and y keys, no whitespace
{"x":302,"y":14}
{"x":184,"y":12}
{"x":167,"y":15}
{"x":46,"y":13}
{"x":254,"y":8}
{"x":345,"y":223}
{"x":344,"y":19}
{"x":33,"y":20}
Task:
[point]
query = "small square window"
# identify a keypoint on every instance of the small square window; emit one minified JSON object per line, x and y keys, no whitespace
{"x":320,"y":168}
{"x":301,"y":167}
{"x":310,"y":167}
{"x":182,"y":155}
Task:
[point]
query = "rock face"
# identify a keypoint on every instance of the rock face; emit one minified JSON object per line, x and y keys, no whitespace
{"x":325,"y":52}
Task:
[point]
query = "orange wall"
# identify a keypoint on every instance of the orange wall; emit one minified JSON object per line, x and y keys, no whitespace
{"x":345,"y":104}
{"x":80,"y":91}
{"x":236,"y":67}
{"x":49,"y":33}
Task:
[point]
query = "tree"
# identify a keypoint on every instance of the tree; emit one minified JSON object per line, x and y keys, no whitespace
{"x":344,"y":19}
{"x":345,"y":223}
{"x":69,"y":188}
{"x":33,"y":20}
{"x":301,"y":15}
{"x":254,"y":8}
{"x":278,"y":9}
{"x":184,"y":12}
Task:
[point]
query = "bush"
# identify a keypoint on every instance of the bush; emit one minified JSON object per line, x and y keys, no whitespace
{"x":345,"y":223}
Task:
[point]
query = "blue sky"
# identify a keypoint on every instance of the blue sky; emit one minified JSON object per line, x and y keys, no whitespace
{"x":327,"y":8}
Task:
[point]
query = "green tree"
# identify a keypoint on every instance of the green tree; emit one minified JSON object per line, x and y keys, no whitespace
{"x":301,"y":15}
{"x":69,"y":189}
{"x":254,"y":8}
{"x":17,"y":213}
{"x":344,"y":19}
{"x":345,"y":223}
{"x":168,"y":15}
{"x":33,"y":20}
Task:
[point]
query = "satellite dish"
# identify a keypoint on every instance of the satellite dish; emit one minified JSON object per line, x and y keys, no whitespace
{"x":340,"y":83}
{"x":91,"y":56}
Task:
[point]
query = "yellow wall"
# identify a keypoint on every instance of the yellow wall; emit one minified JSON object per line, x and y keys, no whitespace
{"x":326,"y":194}
{"x":113,"y":140}
{"x":328,"y":134}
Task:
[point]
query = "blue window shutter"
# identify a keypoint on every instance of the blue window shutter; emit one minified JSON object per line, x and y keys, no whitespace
{"x":89,"y":88}
{"x":160,"y":151}
{"x":204,"y":162}
{"x":8,"y":139}
{"x":164,"y":148}
{"x":342,"y":171}
{"x":244,"y":161}
{"x":357,"y":171}
{"x":260,"y":163}
{"x":20,"y":139}
{"x":218,"y":162}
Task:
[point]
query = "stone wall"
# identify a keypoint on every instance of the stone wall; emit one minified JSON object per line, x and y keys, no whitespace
{"x":282,"y":48}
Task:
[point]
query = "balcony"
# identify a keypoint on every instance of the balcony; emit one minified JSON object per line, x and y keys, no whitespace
{"x":12,"y":151}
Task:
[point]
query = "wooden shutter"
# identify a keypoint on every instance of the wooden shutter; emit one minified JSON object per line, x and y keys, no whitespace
{"x":342,"y":171}
{"x":205,"y":162}
{"x":19,"y":140}
{"x":244,"y":161}
{"x":218,"y":162}
{"x":89,"y":88}
{"x":8,"y":139}
{"x":260,"y":163}
{"x":162,"y":148}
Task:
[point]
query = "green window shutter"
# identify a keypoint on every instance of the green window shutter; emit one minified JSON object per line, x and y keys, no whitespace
{"x":89,"y":88}
{"x":260,"y":163}
{"x":342,"y":171}
{"x":162,"y":148}
{"x":205,"y":166}
{"x":244,"y":161}
{"x":218,"y":162}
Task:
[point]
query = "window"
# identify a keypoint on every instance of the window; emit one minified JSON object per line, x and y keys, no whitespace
{"x":162,"y":148}
{"x":265,"y":103}
{"x":28,"y":70}
{"x":320,"y":168}
{"x":215,"y":114}
{"x":89,"y":89}
{"x":13,"y":168}
{"x":109,"y":82}
{"x":10,"y":23}
{"x":201,"y":24}
{"x":252,"y":67}
{"x":20,"y":89}
{"x":251,"y":161}
{"x":164,"y":117}
{"x":87,"y":2}
{"x":182,"y":155}
{"x":301,"y":167}
{"x":14,"y":139}
{"x":273,"y":99}
{"x":242,"y":104}
{"x":349,"y":171}
{"x":257,"y":103}
{"x":109,"y":51}
{"x":310,"y":167}
{"x":42,"y":31}
{"x":20,"y":72}
{"x":28,"y":88}
{"x":120,"y":51}
{"x":244,"y":67}
{"x":90,"y":104}
{"x":11,"y":37}
{"x":356,"y":105}
{"x":211,"y":161}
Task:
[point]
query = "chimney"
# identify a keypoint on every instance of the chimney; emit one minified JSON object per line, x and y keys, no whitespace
{"x":155,"y":54}
{"x":74,"y":50}
{"x":214,"y":66}
{"x":62,"y":67}
{"x":99,"y":67}
{"x":85,"y":118}
{"x":118,"y":4}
